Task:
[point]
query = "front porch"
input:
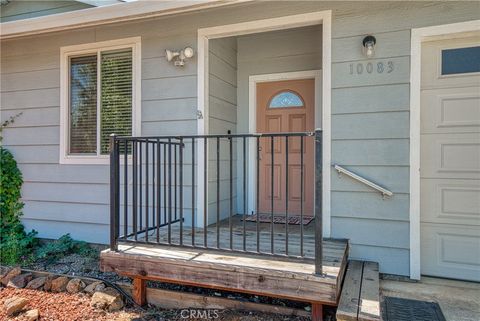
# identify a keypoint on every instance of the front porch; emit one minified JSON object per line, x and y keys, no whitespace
{"x":159,"y":230}
{"x":264,"y":275}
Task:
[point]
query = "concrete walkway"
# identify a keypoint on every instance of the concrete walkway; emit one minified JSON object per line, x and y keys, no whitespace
{"x":460,"y":301}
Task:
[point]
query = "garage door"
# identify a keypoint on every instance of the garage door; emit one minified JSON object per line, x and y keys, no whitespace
{"x":450,"y":158}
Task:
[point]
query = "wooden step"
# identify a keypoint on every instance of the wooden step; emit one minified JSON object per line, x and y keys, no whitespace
{"x":360,"y":299}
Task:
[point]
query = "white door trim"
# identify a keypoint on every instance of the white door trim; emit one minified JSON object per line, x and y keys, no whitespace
{"x":286,"y":22}
{"x":252,"y":128}
{"x":420,"y":35}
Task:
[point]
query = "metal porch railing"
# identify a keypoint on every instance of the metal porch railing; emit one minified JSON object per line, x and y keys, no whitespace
{"x":154,"y":188}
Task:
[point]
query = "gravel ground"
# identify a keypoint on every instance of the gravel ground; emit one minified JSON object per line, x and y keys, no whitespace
{"x":62,"y":307}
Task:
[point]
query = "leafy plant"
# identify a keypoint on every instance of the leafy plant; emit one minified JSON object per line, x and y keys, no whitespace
{"x":62,"y":247}
{"x":15,"y":244}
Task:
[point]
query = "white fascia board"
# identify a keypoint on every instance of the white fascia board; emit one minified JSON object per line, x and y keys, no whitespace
{"x":103,"y":15}
{"x":100,"y":3}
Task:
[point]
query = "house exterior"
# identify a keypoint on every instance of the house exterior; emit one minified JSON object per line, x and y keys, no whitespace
{"x":407,"y":118}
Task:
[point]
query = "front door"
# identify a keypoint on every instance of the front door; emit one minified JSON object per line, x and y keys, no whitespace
{"x":450,"y":158}
{"x":286,"y":106}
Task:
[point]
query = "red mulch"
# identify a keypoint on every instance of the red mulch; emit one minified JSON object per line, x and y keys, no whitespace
{"x":60,"y":306}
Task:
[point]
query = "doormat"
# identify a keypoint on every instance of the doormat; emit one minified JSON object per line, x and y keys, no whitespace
{"x":397,"y":309}
{"x":280,"y":219}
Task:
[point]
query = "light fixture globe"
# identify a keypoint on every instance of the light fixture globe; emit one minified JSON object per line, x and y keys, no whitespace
{"x":369,"y":43}
{"x":188,"y":52}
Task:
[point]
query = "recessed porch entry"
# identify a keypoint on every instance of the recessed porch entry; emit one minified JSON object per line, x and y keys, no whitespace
{"x":180,"y":203}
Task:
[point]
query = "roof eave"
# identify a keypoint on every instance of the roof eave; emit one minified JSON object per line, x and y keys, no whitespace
{"x":104,"y":15}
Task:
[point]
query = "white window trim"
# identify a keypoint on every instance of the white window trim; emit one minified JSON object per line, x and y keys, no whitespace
{"x":65,"y":54}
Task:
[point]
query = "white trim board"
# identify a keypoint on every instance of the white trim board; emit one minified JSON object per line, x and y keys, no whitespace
{"x":420,"y":35}
{"x":95,"y":47}
{"x":252,"y":120}
{"x":281,"y":23}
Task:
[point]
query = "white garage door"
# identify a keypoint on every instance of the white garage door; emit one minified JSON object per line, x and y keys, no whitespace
{"x":450,"y":158}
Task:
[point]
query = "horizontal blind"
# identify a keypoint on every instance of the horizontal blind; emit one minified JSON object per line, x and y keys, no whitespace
{"x":83,"y":105}
{"x":116,"y":95}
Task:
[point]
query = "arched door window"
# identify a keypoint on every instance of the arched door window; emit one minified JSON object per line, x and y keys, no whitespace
{"x":286,"y":99}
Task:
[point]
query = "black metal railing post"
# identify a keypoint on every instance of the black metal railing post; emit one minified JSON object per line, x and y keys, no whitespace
{"x":318,"y":202}
{"x":114,"y":192}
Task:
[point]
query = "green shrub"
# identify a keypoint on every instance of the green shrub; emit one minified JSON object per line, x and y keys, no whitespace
{"x":62,"y":247}
{"x":15,"y":244}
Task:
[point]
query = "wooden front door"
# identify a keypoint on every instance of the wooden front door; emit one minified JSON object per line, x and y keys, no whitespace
{"x":286,"y":106}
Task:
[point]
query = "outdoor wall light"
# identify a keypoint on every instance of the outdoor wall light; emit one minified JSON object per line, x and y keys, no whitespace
{"x":179,"y":57}
{"x":369,"y":46}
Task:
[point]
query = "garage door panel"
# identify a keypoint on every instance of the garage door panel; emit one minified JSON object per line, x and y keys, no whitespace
{"x":450,"y":156}
{"x":450,"y":110}
{"x":454,"y":251}
{"x":432,"y":64}
{"x":448,"y":202}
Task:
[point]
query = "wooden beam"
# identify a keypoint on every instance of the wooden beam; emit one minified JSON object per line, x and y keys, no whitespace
{"x":341,"y":272}
{"x":317,"y":312}
{"x":349,"y":298}
{"x":169,"y":299}
{"x":369,"y":305}
{"x":139,"y":291}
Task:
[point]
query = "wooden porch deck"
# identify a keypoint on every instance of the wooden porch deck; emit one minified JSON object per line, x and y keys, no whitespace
{"x":223,"y":241}
{"x":267,"y":275}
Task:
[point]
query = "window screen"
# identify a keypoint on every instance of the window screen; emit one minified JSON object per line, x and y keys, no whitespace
{"x":116,"y":101}
{"x":460,"y":60}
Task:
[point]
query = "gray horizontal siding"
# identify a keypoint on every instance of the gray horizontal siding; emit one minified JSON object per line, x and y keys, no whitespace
{"x":371,"y":99}
{"x":392,"y":261}
{"x":38,"y":117}
{"x":94,"y":232}
{"x":30,"y":80}
{"x":373,"y":232}
{"x":24,"y":63}
{"x":41,"y":135}
{"x":379,"y":125}
{"x":380,"y":152}
{"x":176,"y":87}
{"x":78,"y":212}
{"x":35,"y":154}
{"x":169,"y":109}
{"x":30,"y":99}
{"x":370,"y":205}
{"x":222,"y":118}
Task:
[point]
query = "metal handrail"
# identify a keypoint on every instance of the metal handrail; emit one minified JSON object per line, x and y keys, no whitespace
{"x":384,"y":191}
{"x":148,"y":194}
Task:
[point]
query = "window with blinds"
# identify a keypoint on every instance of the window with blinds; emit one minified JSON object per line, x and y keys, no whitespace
{"x":101,"y":97}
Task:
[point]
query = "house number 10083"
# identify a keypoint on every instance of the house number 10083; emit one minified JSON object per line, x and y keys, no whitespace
{"x":370,"y":67}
